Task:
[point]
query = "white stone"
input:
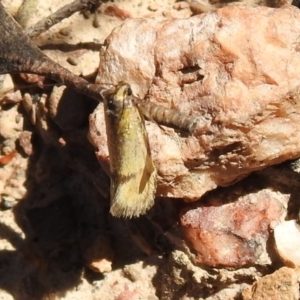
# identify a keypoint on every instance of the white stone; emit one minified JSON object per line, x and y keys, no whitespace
{"x":287,"y":239}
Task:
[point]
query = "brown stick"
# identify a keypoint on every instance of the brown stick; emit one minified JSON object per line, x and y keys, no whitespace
{"x":63,"y":13}
{"x":19,"y":55}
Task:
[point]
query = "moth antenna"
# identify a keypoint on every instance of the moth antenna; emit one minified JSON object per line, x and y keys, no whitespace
{"x":167,"y":116}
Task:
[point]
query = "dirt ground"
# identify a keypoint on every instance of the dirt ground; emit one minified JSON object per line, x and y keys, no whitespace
{"x":57,"y":238}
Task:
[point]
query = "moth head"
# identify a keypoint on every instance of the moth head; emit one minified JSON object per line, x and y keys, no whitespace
{"x":122,"y":91}
{"x":118,"y":97}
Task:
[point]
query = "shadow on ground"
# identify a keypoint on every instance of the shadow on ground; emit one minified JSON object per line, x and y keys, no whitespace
{"x":65,"y":211}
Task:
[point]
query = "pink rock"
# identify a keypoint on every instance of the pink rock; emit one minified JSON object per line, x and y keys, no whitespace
{"x":237,"y":69}
{"x":233,"y":234}
{"x":115,"y":11}
{"x":128,"y":295}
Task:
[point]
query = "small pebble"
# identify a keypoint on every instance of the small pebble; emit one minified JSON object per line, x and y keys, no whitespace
{"x":181,"y":5}
{"x":65,"y":31}
{"x":287,"y":240}
{"x":115,"y":11}
{"x":7,"y":202}
{"x":72,"y":61}
{"x":96,"y":22}
{"x":8,"y":146}
{"x":153,"y":7}
{"x":19,"y":118}
{"x":132,"y":273}
{"x":6,"y":85}
{"x":25,"y":142}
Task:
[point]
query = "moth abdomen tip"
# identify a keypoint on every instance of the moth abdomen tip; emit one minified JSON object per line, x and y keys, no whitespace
{"x":122,"y":209}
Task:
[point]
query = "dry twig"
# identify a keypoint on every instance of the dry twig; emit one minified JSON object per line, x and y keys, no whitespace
{"x":63,"y":13}
{"x":19,"y":55}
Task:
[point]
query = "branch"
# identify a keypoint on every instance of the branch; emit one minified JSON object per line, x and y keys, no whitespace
{"x":63,"y":13}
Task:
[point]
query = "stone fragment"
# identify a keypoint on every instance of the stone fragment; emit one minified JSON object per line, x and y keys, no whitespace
{"x":6,"y":85}
{"x":215,"y":66}
{"x":287,"y":240}
{"x":11,"y":98}
{"x":115,"y":11}
{"x":25,"y":142}
{"x":7,"y":202}
{"x":7,"y":146}
{"x":233,"y":234}
{"x":281,"y":285}
{"x":33,"y":79}
{"x":181,"y":5}
{"x":153,"y":7}
{"x":101,"y":266}
{"x":99,"y":255}
{"x":9,"y":127}
{"x":7,"y":158}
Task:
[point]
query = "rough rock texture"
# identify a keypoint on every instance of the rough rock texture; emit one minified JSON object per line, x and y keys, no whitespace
{"x":281,"y":285}
{"x":233,"y":234}
{"x":180,"y":277}
{"x":236,"y":68}
{"x":12,"y":164}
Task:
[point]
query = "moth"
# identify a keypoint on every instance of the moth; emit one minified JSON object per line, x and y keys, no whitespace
{"x":133,"y":174}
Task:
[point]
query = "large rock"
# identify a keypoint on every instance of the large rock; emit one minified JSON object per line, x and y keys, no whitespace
{"x":236,"y":68}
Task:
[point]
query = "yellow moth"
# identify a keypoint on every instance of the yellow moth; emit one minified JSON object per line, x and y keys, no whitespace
{"x":133,"y":175}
